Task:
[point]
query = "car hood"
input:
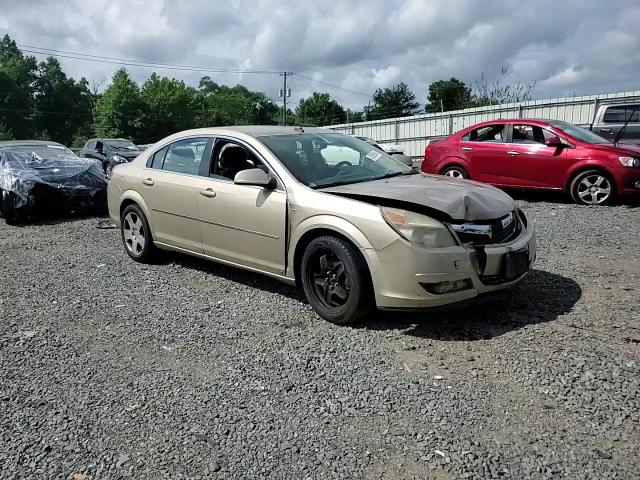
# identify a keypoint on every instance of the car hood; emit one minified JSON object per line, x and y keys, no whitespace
{"x":457,"y":199}
{"x":620,"y":148}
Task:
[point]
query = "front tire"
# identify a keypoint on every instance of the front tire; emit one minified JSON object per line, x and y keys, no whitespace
{"x":592,"y":187}
{"x":136,"y":235}
{"x":455,"y":172}
{"x":8,"y":209}
{"x":336,"y":281}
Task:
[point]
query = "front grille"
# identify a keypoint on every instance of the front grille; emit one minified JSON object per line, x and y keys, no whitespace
{"x":488,"y":232}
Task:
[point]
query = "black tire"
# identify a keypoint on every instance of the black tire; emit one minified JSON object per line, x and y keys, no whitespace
{"x":582,"y":184}
{"x":130,"y":217}
{"x":455,"y":171}
{"x":8,"y":209}
{"x":325,"y":282}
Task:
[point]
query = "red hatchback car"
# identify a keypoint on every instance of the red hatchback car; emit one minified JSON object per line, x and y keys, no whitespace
{"x":538,"y":154}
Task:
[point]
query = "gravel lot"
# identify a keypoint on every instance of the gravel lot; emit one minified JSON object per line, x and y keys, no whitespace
{"x":192,"y":370}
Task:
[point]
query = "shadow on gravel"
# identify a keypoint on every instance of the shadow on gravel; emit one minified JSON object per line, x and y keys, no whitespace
{"x":57,"y":218}
{"x":541,"y":297}
{"x":535,"y":196}
{"x":250,"y":279}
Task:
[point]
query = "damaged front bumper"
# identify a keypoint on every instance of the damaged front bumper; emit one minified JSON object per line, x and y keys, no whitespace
{"x":410,"y":277}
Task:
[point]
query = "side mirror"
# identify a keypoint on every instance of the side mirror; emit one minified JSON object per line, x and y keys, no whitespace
{"x":555,"y":142}
{"x":256,"y":177}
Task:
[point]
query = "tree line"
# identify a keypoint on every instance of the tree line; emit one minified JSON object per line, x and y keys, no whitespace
{"x":39,"y":101}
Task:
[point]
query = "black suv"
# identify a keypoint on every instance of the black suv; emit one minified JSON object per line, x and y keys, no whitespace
{"x":110,"y":152}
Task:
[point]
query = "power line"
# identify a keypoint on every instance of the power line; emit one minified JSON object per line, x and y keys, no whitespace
{"x":330,"y":85}
{"x":135,"y":63}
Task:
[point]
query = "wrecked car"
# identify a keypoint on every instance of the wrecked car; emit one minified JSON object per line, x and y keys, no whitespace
{"x":42,"y":176}
{"x":109,"y":152}
{"x":359,"y":232}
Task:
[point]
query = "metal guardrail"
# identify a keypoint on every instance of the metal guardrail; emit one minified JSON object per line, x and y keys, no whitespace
{"x":413,"y":133}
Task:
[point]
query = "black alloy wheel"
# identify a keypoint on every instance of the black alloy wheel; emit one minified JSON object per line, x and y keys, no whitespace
{"x":336,"y":281}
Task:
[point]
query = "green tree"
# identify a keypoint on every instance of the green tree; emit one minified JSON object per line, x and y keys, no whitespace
{"x":17,"y":78}
{"x":351,"y":116}
{"x":120,"y":110}
{"x":169,"y":106}
{"x":446,"y":95}
{"x":62,"y":105}
{"x":223,"y":105}
{"x":5,"y":132}
{"x":319,"y":110}
{"x":397,"y":101}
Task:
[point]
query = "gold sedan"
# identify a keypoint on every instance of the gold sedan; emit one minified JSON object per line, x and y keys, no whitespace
{"x":355,"y":228}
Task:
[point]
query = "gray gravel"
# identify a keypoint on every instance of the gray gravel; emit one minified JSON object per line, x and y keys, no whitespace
{"x":112,"y":369}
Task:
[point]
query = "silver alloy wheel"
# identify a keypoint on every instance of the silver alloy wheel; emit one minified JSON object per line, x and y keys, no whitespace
{"x":594,"y":189}
{"x":134,"y":233}
{"x":454,"y":173}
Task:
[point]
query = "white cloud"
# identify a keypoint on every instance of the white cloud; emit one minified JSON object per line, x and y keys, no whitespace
{"x":359,"y":44}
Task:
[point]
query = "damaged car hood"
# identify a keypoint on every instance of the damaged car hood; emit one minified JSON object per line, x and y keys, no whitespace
{"x":458,"y":199}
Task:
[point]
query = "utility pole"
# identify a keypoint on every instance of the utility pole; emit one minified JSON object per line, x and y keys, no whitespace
{"x":284,"y":93}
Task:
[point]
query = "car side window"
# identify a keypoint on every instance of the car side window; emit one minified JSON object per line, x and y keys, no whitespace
{"x":229,"y":158}
{"x":488,"y":133}
{"x":622,"y":113}
{"x":90,"y":145}
{"x":155,"y":161}
{"x":531,"y":134}
{"x":184,"y":156}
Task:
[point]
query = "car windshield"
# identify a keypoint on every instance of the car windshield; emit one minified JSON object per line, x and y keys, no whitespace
{"x":48,"y":152}
{"x":328,"y":159}
{"x":579,"y":133}
{"x":122,"y":145}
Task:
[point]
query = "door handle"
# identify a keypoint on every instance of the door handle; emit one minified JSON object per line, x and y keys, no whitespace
{"x":468,"y":149}
{"x":513,"y":152}
{"x":148,"y":182}
{"x":209,"y":193}
{"x":607,"y":130}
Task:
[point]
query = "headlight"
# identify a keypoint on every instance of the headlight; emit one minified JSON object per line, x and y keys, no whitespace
{"x":630,"y":161}
{"x":419,"y":229}
{"x":119,"y":158}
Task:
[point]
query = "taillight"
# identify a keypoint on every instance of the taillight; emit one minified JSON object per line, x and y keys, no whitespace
{"x":427,"y":151}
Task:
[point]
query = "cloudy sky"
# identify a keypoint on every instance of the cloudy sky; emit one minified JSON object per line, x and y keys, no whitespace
{"x":566,"y":46}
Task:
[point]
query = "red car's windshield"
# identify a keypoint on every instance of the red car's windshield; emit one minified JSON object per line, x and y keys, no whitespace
{"x":579,"y":133}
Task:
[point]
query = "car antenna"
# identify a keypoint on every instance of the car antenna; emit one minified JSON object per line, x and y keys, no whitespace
{"x":624,"y":127}
{"x":299,"y":129}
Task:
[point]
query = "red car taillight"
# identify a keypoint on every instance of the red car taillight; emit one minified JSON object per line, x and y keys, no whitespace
{"x":427,"y":151}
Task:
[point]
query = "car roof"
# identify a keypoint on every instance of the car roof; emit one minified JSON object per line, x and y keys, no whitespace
{"x":26,"y":143}
{"x":257,"y":130}
{"x":498,"y":121}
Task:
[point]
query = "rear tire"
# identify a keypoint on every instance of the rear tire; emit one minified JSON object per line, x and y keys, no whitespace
{"x":455,"y":172}
{"x":336,"y":281}
{"x":592,"y":187}
{"x":136,"y":235}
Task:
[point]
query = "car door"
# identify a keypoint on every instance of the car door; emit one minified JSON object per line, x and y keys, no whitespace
{"x":242,"y":224}
{"x":529,"y":162}
{"x":484,"y":149}
{"x":170,"y":186}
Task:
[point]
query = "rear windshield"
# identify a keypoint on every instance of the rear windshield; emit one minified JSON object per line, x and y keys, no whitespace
{"x":50,"y":152}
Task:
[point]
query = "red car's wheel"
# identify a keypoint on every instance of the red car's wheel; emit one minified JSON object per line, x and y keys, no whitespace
{"x":455,"y":172}
{"x":592,"y":187}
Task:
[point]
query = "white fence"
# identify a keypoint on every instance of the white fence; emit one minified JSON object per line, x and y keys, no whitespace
{"x":412,"y":133}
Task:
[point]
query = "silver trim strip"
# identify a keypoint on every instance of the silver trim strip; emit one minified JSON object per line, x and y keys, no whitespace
{"x":254,"y":232}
